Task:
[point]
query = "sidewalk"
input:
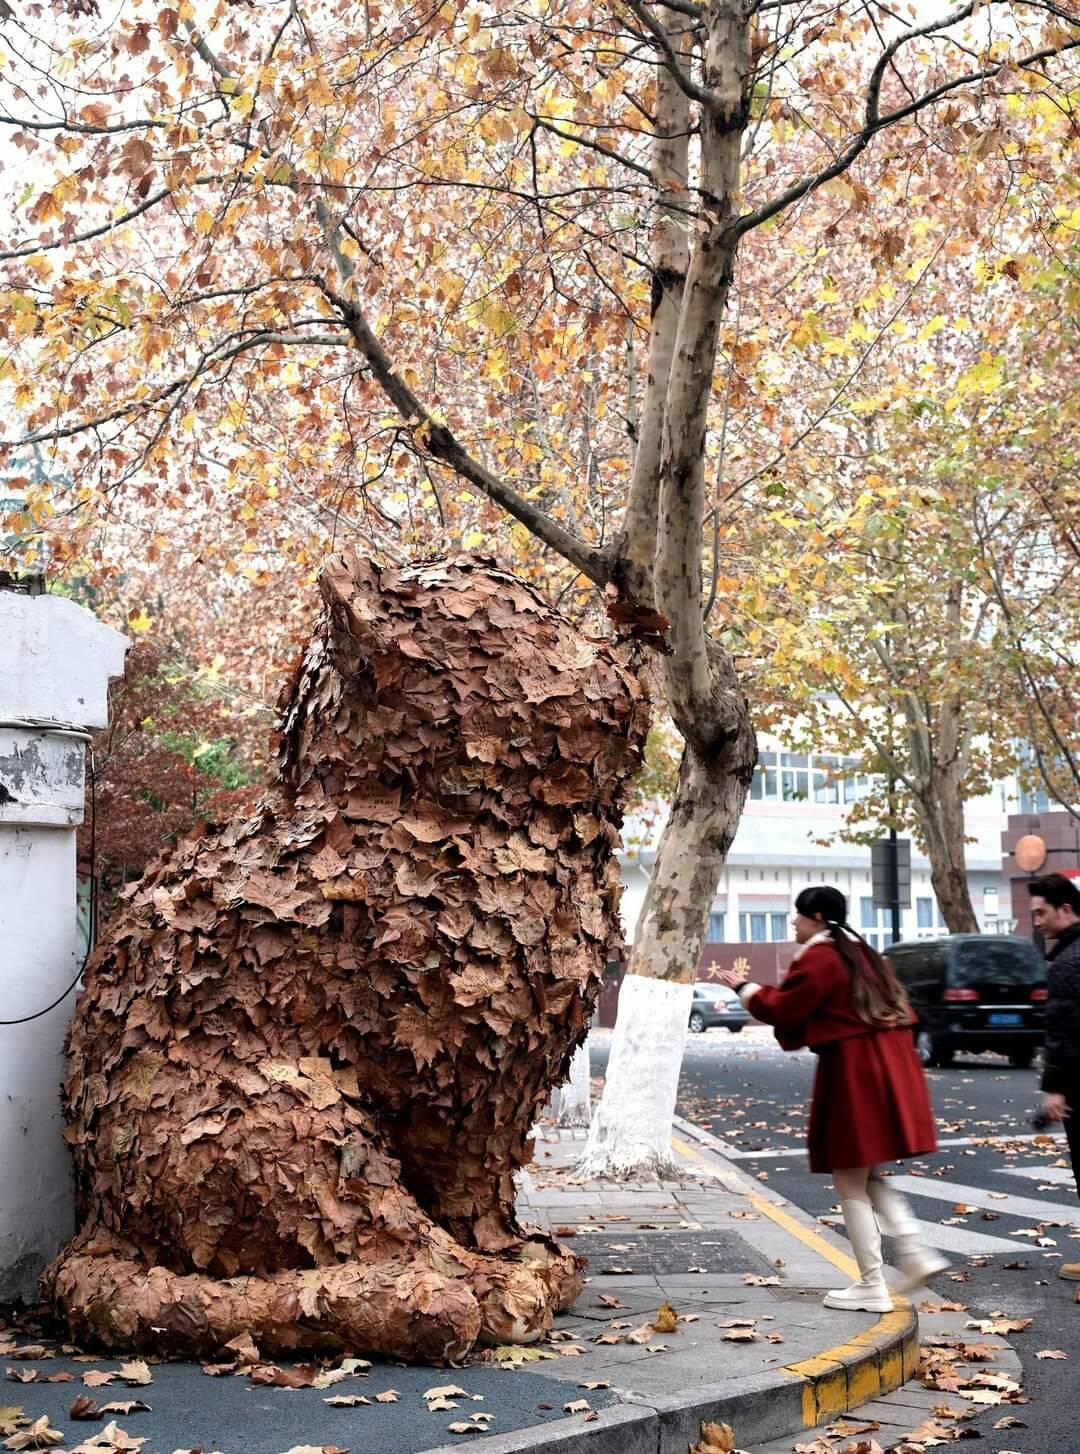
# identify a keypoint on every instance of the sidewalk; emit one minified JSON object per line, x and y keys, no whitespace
{"x":749,"y":1342}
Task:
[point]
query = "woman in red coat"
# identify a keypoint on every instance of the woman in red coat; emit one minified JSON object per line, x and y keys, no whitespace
{"x":870,"y":1103}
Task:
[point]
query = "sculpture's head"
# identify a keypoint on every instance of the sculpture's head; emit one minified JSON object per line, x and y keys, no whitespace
{"x":449,"y":684}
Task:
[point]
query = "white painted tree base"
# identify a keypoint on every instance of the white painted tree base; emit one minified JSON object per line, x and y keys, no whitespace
{"x":571,"y":1104}
{"x":630,"y":1134}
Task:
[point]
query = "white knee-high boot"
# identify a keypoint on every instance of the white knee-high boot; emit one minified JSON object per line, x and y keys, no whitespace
{"x":916,"y":1261}
{"x":869,"y":1294}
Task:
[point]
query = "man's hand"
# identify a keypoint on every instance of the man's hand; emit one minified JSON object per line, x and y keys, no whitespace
{"x":1056,"y":1107}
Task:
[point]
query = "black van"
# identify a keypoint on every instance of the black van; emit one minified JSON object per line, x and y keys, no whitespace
{"x":974,"y":992}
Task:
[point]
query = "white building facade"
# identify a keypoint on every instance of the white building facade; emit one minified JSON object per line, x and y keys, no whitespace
{"x":789,"y":838}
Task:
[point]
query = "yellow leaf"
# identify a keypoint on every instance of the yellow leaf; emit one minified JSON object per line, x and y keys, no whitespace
{"x":204,"y":223}
{"x":140,"y":621}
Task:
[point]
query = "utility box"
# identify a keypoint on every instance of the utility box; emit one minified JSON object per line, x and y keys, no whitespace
{"x":56,"y":660}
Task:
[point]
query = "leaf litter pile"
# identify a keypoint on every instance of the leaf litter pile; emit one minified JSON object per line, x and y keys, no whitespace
{"x":312,"y":1043}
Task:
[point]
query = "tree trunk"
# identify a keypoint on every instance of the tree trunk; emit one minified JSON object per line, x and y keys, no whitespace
{"x":941,"y":816}
{"x":631,"y":1128}
{"x":571,"y":1104}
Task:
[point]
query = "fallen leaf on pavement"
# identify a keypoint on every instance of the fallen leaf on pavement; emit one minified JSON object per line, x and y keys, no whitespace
{"x":666,"y":1320}
{"x":609,"y":1301}
{"x":30,"y":1350}
{"x":303,"y":1375}
{"x":446,"y":1390}
{"x":21,"y":1375}
{"x":999,"y":1325}
{"x":390,"y":1396}
{"x":517,"y":1353}
{"x":1051,"y":1353}
{"x":1009,"y":1422}
{"x":38,"y":1436}
{"x":137,"y":1372}
{"x":740,"y":1335}
{"x":755,"y":1279}
{"x":442,"y":1405}
{"x":577,"y":1406}
{"x":348,"y":1400}
{"x":642,"y":1334}
{"x":316,"y":1449}
{"x":595,"y":1383}
{"x":244,"y":1348}
{"x":86,"y":1408}
{"x":111,"y":1440}
{"x":11,"y":1418}
{"x":466,"y":1427}
{"x":99,"y":1377}
{"x":715,"y":1439}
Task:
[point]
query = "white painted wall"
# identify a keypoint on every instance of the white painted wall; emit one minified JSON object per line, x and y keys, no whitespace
{"x":55,"y":663}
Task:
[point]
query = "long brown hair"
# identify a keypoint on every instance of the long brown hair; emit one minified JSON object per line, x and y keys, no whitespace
{"x":877,"y":995}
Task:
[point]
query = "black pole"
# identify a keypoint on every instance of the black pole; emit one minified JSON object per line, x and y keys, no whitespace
{"x":894,"y":866}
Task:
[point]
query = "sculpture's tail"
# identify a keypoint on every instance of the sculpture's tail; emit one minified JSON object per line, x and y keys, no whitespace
{"x":429,"y":1308}
{"x":401,"y":1309}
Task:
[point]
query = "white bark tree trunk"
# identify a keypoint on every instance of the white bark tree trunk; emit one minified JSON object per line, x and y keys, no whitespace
{"x":571,"y":1104}
{"x":630,"y":1132}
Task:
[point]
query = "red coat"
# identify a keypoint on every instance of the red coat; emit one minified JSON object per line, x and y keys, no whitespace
{"x":870,"y":1102}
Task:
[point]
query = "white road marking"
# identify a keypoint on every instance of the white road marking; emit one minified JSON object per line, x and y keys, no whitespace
{"x":974,"y":1196}
{"x":990,"y":1141}
{"x":1058,"y":1175}
{"x":959,"y":1239}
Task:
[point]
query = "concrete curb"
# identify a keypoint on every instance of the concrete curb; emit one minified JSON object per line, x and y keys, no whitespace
{"x":760,"y":1406}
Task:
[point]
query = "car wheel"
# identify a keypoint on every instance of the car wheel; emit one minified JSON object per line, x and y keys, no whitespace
{"x":735,"y":1029}
{"x":1021,"y":1059}
{"x":697,"y":1022}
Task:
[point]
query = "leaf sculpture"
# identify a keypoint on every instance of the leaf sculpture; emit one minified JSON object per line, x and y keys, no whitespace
{"x":312,"y":1043}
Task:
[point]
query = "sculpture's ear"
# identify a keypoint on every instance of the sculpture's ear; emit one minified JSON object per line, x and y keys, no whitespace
{"x":351,"y":587}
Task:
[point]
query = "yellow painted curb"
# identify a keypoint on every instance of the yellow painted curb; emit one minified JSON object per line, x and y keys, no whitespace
{"x":877,"y":1361}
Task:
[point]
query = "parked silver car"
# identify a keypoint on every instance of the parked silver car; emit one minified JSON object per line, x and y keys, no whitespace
{"x":715,"y":1004}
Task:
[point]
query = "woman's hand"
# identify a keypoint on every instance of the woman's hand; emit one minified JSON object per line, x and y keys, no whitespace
{"x":733,"y":978}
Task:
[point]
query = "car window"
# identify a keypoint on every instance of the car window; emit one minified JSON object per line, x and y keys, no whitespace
{"x":990,"y":958}
{"x":919,"y":967}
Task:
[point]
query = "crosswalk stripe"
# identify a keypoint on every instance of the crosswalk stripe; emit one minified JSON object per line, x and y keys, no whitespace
{"x":733,"y":1154}
{"x":956,"y":1239}
{"x":974,"y":1196}
{"x":1059,"y":1175}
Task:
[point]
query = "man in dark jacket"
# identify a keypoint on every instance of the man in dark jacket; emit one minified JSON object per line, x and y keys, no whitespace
{"x":1055,"y":911}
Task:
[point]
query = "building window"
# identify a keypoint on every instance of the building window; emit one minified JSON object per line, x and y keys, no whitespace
{"x":716,"y":928}
{"x":795,"y":777}
{"x":752,"y":928}
{"x":762,"y":928}
{"x":875,"y":924}
{"x":924,"y":913}
{"x":826,"y":779}
{"x":764,"y":783}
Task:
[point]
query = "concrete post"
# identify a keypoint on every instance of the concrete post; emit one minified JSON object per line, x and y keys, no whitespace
{"x":55,"y":663}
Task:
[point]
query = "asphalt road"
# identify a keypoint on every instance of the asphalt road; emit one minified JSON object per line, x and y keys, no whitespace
{"x":991,"y":1208}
